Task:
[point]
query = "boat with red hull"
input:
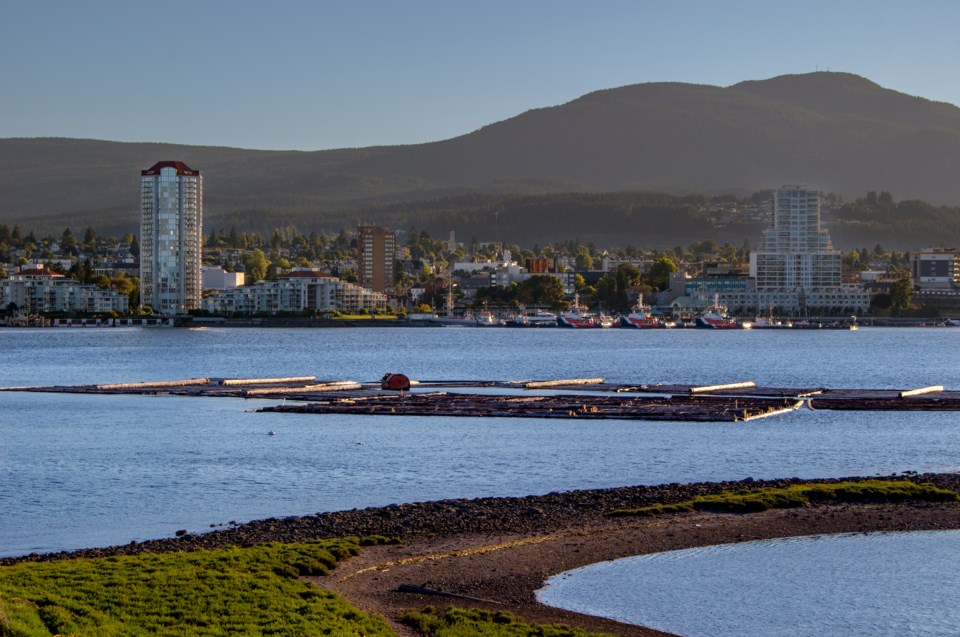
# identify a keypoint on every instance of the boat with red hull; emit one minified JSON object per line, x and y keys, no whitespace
{"x":640,"y":318}
{"x":577,"y":320}
{"x":577,"y":317}
{"x":715,"y":317}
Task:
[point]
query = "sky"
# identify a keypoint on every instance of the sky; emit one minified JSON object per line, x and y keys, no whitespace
{"x":317,"y":74}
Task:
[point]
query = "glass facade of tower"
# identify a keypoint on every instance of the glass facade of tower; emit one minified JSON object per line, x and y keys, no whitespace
{"x":796,"y":267}
{"x":171,"y":237}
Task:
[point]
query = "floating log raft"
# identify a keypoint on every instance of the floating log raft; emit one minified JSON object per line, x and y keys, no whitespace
{"x":519,"y":398}
{"x":925,"y":399}
{"x":676,"y":408}
{"x":301,"y":387}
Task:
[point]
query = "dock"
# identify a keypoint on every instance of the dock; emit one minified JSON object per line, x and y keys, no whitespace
{"x":572,"y":398}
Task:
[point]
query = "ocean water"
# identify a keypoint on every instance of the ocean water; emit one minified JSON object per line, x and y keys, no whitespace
{"x":857,"y":585}
{"x":79,"y":471}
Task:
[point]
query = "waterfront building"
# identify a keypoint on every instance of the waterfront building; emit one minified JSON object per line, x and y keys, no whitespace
{"x":171,"y":237}
{"x":294,"y":293}
{"x":377,"y":249}
{"x":796,"y":269}
{"x":935,"y":268}
{"x":38,"y":290}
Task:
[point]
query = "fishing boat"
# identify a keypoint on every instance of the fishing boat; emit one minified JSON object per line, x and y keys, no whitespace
{"x":640,"y":318}
{"x":577,"y":317}
{"x":716,"y":317}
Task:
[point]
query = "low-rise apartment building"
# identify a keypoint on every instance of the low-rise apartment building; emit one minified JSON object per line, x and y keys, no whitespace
{"x":42,"y":291}
{"x":293,"y":293}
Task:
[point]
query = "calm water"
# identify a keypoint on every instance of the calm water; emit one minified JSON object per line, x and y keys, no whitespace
{"x":79,"y":471}
{"x":856,"y":585}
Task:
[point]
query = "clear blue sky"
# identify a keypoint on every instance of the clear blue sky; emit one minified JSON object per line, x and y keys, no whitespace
{"x":312,"y":74}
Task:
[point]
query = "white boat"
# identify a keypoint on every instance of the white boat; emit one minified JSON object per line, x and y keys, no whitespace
{"x":542,"y":318}
{"x":605,"y":321}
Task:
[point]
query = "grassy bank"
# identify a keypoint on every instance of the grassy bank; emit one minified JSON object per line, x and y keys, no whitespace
{"x":215,"y":592}
{"x":459,"y":622}
{"x":751,"y":501}
{"x":231,"y":591}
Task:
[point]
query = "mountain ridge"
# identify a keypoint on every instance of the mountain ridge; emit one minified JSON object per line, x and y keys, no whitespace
{"x":837,"y":132}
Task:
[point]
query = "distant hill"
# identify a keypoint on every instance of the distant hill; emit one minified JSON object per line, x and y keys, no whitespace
{"x":834,"y":131}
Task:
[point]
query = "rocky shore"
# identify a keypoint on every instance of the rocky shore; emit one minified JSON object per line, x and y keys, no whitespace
{"x":530,"y":514}
{"x":502,"y":549}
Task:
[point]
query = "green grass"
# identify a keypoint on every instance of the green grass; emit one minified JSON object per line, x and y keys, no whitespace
{"x":231,"y":591}
{"x":747,"y":501}
{"x":459,"y":622}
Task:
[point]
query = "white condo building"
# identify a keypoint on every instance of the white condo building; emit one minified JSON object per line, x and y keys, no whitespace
{"x":293,"y":293}
{"x":39,"y":291}
{"x":796,"y":268}
{"x":171,"y":237}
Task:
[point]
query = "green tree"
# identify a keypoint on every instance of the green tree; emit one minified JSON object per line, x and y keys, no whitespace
{"x":613,"y":287}
{"x":659,"y":274}
{"x":255,"y":265}
{"x":901,"y":296}
{"x":540,"y":289}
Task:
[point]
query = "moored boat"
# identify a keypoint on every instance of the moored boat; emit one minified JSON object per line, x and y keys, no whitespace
{"x":541,"y":318}
{"x":578,"y":320}
{"x":640,"y":318}
{"x":716,"y":317}
{"x":577,"y":317}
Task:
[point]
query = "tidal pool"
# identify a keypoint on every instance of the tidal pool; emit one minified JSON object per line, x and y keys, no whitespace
{"x":857,"y":584}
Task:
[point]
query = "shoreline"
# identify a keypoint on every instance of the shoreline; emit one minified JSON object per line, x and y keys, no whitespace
{"x":504,"y":549}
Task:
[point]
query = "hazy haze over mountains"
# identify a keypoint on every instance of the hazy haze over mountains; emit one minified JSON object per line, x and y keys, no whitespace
{"x":834,"y":131}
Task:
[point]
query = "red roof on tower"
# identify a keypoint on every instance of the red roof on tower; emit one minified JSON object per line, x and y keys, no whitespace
{"x":182,"y":168}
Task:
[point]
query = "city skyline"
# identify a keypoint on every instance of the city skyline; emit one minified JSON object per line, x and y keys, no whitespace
{"x":311,"y":76}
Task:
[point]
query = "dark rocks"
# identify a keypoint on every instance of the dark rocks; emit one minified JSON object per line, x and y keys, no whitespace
{"x":531,"y":514}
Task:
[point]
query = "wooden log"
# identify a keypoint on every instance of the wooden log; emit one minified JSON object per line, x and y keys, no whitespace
{"x":342,"y":385}
{"x":932,"y":389}
{"x":773,"y":412}
{"x":709,"y":388}
{"x":542,"y":384}
{"x":267,"y":381}
{"x":162,"y":383}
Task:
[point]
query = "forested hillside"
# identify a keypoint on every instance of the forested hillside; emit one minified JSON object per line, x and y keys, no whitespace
{"x":835,"y":132}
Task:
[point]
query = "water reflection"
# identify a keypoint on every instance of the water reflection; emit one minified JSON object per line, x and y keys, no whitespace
{"x":867,"y":584}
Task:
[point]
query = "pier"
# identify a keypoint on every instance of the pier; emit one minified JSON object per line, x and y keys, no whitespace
{"x":579,"y":398}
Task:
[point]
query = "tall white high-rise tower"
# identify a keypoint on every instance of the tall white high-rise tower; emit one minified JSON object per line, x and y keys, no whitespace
{"x":796,"y":267}
{"x":171,"y":237}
